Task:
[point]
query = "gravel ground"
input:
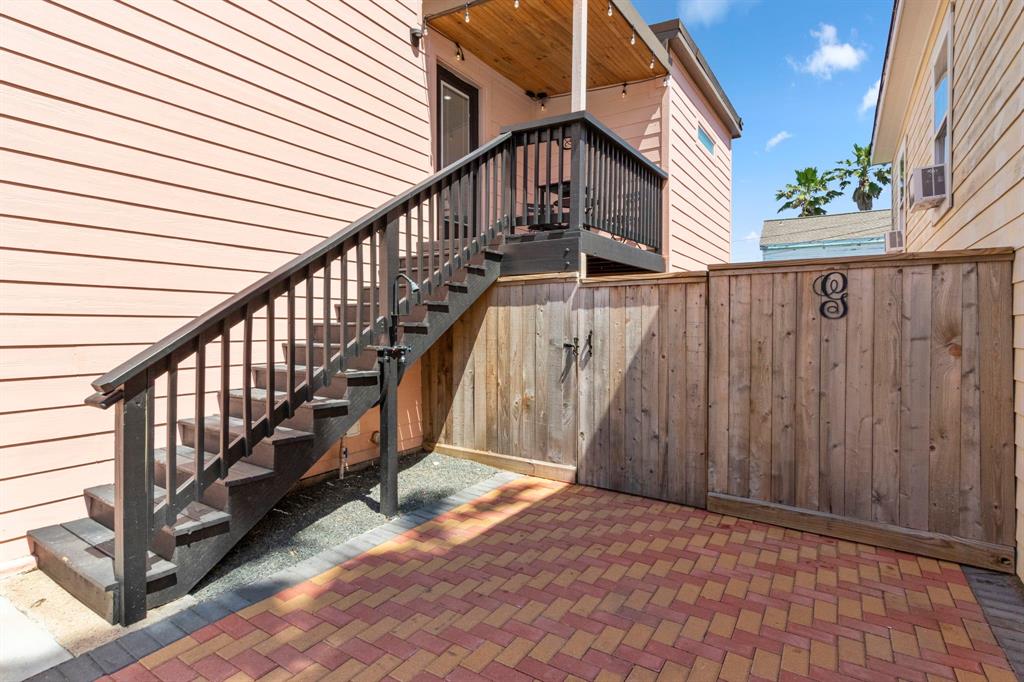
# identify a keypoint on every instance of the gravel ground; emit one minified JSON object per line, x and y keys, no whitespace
{"x":308,"y":521}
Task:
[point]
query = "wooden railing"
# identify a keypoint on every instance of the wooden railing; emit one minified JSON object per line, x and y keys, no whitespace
{"x":426,"y":234}
{"x":574,"y":172}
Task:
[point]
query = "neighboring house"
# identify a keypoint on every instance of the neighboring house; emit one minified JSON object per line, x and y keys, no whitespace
{"x":861,"y":233}
{"x":160,"y":157}
{"x":951,"y":96}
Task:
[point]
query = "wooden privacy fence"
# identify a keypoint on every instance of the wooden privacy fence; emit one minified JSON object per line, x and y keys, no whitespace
{"x":874,"y":404}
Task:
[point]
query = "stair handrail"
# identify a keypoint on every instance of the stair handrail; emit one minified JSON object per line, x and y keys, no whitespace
{"x":108,"y":383}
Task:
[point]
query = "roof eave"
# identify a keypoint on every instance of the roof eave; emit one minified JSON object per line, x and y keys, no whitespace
{"x":909,"y":32}
{"x":674,"y":34}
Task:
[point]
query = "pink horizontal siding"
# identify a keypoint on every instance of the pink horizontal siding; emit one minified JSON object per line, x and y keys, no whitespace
{"x":159,"y":158}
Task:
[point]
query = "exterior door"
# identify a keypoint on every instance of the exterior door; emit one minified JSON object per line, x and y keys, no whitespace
{"x":458,"y":117}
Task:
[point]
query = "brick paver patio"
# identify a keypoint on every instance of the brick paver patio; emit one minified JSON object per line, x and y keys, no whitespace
{"x":540,"y":580}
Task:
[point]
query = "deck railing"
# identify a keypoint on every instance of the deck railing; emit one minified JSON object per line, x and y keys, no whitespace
{"x":341,"y":288}
{"x":572,"y":171}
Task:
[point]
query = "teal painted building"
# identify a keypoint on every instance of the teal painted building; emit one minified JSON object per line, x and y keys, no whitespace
{"x":861,"y":233}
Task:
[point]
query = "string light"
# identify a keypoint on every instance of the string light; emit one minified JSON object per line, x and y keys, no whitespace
{"x":459,"y":54}
{"x":651,"y":67}
{"x":632,"y":38}
{"x":465,"y":16}
{"x":623,"y":91}
{"x":516,"y":4}
{"x":609,"y":7}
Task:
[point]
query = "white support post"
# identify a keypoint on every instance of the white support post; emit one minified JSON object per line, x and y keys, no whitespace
{"x":579,"y":55}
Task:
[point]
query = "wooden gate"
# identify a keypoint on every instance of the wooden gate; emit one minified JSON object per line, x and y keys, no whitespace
{"x":500,"y":386}
{"x":643,"y":386}
{"x":874,"y":404}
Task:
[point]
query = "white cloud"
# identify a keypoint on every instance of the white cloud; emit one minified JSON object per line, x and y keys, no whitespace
{"x":778,"y":137}
{"x":705,"y":12}
{"x":870,"y":98}
{"x":831,"y":55}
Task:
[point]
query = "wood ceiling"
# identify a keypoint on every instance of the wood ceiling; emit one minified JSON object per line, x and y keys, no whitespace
{"x":532,"y":45}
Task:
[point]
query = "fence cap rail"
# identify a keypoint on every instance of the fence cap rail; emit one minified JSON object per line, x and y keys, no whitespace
{"x":879,"y":261}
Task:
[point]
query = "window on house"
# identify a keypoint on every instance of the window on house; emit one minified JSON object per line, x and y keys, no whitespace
{"x":706,"y":140}
{"x":899,"y":192}
{"x":942,"y":100}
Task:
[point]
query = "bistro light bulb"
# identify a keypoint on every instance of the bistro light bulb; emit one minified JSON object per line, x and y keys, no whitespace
{"x":609,"y":7}
{"x":623,"y":91}
{"x":632,"y":38}
{"x":652,"y":63}
{"x":516,"y":4}
{"x":465,"y":15}
{"x":459,"y":54}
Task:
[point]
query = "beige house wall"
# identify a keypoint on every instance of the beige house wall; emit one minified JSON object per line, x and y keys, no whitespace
{"x":162,"y":156}
{"x":987,"y":160}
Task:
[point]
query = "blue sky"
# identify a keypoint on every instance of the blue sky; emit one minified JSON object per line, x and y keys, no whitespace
{"x":799,"y":73}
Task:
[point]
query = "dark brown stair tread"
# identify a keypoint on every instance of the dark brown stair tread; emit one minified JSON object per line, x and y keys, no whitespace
{"x":88,"y":547}
{"x":240,"y":472}
{"x":236,"y":427}
{"x":194,"y":517}
{"x":318,"y":403}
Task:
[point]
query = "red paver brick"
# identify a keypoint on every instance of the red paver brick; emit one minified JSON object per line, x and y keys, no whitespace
{"x":540,"y":580}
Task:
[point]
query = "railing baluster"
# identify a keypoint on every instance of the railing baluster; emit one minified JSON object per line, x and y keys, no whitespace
{"x":358,"y":332}
{"x":328,"y":371}
{"x":290,"y":360}
{"x":431,"y":237}
{"x":310,"y":360}
{"x":225,"y":388}
{"x":343,"y":313}
{"x":407,"y":266}
{"x":535,"y":135}
{"x":200,"y":416}
{"x":375,"y":282}
{"x":271,"y":397}
{"x":247,"y":377}
{"x":171,"y":470}
{"x":419,"y":239}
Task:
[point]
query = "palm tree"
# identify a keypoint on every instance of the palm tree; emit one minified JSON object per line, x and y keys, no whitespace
{"x":810,"y":194}
{"x":859,"y":169}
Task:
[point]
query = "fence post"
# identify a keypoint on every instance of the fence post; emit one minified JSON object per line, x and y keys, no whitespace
{"x":577,"y":173}
{"x":133,"y":443}
{"x":389,"y":373}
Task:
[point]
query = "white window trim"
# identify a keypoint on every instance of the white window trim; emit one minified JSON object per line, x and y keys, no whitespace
{"x":710,"y":152}
{"x":899,"y":194}
{"x":945,"y":39}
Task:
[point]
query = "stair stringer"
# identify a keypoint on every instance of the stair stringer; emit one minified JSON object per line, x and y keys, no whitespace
{"x":249,"y":503}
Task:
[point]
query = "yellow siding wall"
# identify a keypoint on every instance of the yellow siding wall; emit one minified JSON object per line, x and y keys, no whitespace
{"x":160,"y":157}
{"x":988,"y":160}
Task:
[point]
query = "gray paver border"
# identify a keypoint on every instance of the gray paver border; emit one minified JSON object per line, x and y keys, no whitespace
{"x":136,"y":645}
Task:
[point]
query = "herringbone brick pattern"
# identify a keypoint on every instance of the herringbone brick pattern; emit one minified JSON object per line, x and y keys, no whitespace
{"x":539,"y":580}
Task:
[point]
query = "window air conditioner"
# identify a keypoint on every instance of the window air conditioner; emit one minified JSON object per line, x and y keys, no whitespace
{"x":927,"y":187}
{"x":894,"y":241}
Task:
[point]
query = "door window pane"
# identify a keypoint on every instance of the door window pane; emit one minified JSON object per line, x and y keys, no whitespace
{"x":455,"y":124}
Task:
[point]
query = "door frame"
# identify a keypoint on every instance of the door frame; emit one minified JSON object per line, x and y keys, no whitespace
{"x":446,"y":76}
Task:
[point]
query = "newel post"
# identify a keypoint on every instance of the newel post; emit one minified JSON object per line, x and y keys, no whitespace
{"x":133,"y":445}
{"x":578,"y":175}
{"x":389,"y":370}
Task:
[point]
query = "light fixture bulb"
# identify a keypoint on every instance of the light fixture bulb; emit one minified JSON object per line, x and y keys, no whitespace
{"x":632,"y":38}
{"x":609,"y":7}
{"x":465,"y":15}
{"x":543,"y":106}
{"x":516,"y":4}
{"x":652,"y":63}
{"x":623,"y":91}
{"x":459,"y":54}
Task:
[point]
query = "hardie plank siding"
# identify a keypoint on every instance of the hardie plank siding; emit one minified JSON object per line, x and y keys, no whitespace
{"x":700,"y":184}
{"x":162,"y":156}
{"x":988,"y":160}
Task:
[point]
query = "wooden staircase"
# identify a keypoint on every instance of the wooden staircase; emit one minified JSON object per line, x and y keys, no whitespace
{"x":78,"y":554}
{"x":339,"y":324}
